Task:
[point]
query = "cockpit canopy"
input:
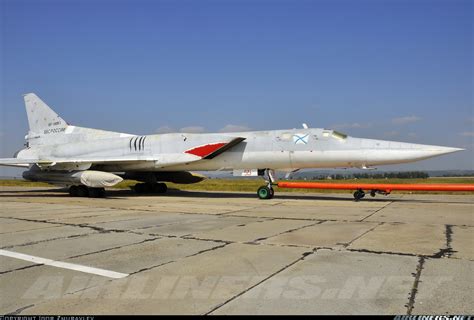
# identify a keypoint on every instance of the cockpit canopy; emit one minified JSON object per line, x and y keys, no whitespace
{"x":334,"y":134}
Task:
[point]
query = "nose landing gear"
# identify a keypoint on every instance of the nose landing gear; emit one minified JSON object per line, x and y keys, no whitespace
{"x":267,"y":192}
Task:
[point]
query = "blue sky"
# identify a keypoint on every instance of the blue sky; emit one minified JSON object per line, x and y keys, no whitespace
{"x":396,"y":70}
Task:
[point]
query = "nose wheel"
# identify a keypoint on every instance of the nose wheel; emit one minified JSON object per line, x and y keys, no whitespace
{"x":267,"y":192}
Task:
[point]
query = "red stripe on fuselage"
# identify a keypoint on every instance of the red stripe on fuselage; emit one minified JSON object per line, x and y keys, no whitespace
{"x":205,"y":150}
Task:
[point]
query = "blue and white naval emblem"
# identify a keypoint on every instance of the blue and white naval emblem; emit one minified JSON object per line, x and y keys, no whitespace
{"x":300,"y":138}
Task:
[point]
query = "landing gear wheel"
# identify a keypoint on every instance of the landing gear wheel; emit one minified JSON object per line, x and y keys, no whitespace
{"x":359,"y":194}
{"x":272,"y":193}
{"x":140,"y":188}
{"x":265,"y":192}
{"x":160,"y":188}
{"x":372,"y":193}
{"x":151,"y":188}
{"x":73,"y":191}
{"x":96,"y":192}
{"x":82,"y":191}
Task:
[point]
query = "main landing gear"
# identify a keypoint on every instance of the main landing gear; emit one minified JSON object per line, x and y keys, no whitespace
{"x":150,"y":188}
{"x":83,"y":191}
{"x":267,"y":192}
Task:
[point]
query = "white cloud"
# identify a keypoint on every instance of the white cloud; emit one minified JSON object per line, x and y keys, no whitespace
{"x":355,"y":125}
{"x":405,"y":120}
{"x":234,"y":128}
{"x":193,"y":129}
{"x":467,"y":134}
{"x":165,"y":129}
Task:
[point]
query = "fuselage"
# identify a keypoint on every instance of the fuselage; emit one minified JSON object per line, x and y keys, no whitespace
{"x":277,"y":149}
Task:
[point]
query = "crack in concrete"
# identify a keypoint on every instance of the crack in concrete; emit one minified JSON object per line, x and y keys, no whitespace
{"x":152,"y":209}
{"x":385,"y":252}
{"x":46,"y":240}
{"x":376,"y":211}
{"x":448,"y":251}
{"x":113,"y":248}
{"x":59,"y":223}
{"x":211,"y":240}
{"x":34,"y":229}
{"x":345,"y":245}
{"x":437,"y":255}
{"x":411,"y":299}
{"x":152,"y":267}
{"x":80,"y":255}
{"x":20,"y":310}
{"x":19,"y":269}
{"x":284,"y":218}
{"x":80,"y":225}
{"x":207,"y":250}
{"x":287,"y":231}
{"x":303,"y":256}
{"x":223,"y":214}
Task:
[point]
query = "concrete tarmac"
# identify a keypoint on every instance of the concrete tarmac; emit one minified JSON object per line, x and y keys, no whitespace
{"x":231,"y":253}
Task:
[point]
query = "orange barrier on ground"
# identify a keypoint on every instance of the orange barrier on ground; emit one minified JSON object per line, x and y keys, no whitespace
{"x":379,"y":186}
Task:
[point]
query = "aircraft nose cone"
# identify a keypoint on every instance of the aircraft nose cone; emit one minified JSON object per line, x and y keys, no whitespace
{"x":416,"y":152}
{"x":392,"y":152}
{"x":437,"y":150}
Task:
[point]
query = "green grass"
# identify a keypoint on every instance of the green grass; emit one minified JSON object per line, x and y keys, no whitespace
{"x":22,"y":183}
{"x":251,"y":185}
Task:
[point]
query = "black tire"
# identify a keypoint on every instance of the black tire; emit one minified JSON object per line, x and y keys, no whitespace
{"x":164,"y":187}
{"x":264,"y":193}
{"x":82,"y":191}
{"x":73,"y":191}
{"x":96,"y":192}
{"x":160,"y":188}
{"x":140,"y":188}
{"x":272,"y":193}
{"x":359,"y":194}
{"x":148,"y":187}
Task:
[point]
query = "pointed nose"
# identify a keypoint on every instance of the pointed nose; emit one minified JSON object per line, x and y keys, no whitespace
{"x":392,"y":152}
{"x":433,"y":151}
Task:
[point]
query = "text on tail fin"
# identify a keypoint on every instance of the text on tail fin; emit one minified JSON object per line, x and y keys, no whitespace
{"x":41,"y":118}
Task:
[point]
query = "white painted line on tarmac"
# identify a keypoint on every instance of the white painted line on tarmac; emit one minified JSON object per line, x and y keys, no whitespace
{"x":64,"y":265}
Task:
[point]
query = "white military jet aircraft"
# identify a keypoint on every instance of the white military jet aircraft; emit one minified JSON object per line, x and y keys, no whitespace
{"x":88,"y":160}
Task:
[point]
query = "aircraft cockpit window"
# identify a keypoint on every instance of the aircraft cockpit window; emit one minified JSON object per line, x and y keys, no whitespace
{"x":339,"y":135}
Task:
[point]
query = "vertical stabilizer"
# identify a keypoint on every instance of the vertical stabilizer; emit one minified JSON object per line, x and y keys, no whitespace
{"x":41,"y":118}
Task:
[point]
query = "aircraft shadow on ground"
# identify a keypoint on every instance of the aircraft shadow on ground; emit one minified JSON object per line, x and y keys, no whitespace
{"x":120,"y":194}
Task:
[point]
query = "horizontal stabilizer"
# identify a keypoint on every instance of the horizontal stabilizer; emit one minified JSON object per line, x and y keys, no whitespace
{"x":15,"y":162}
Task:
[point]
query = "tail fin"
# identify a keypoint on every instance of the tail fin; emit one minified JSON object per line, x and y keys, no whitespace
{"x":41,"y":118}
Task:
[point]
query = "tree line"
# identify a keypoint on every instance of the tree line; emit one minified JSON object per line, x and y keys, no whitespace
{"x":378,"y":175}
